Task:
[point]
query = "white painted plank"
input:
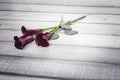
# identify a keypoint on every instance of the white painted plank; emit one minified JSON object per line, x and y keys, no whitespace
{"x":13,"y":77}
{"x":78,"y":39}
{"x":63,"y":52}
{"x":115,"y":3}
{"x":35,"y":16}
{"x":60,"y":9}
{"x":83,"y":28}
{"x":59,"y":69}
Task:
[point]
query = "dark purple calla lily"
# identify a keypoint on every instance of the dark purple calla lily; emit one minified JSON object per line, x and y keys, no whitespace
{"x":41,"y":39}
{"x":20,"y":42}
{"x":30,"y":31}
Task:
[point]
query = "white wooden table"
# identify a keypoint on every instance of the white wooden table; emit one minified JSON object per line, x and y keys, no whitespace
{"x":93,"y":54}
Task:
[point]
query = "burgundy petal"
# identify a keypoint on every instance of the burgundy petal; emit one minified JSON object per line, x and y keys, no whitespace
{"x":20,"y":42}
{"x":42,"y":39}
{"x":38,"y":39}
{"x":30,"y":31}
{"x":46,"y":36}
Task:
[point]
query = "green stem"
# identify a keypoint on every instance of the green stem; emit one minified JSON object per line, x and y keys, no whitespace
{"x":78,"y":19}
{"x":55,"y":28}
{"x":53,"y":31}
{"x":75,"y":20}
{"x":49,"y":28}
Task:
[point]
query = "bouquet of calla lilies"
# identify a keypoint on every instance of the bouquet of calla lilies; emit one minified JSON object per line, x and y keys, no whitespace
{"x":43,"y":35}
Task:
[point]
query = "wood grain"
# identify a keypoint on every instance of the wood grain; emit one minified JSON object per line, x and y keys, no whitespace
{"x":93,"y":54}
{"x":19,"y":77}
{"x":104,"y":3}
{"x":57,"y":69}
{"x":60,"y":9}
{"x":64,"y":53}
{"x":35,"y":16}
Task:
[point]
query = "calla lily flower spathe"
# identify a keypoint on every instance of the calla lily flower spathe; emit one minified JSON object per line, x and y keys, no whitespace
{"x":30,"y":31}
{"x":22,"y":41}
{"x":41,"y":39}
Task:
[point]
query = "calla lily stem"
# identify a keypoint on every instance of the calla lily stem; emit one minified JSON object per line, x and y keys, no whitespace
{"x":78,"y":19}
{"x":53,"y":31}
{"x":55,"y":28}
{"x":49,"y":28}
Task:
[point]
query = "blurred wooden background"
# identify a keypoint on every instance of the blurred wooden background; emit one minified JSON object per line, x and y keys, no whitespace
{"x":93,"y":54}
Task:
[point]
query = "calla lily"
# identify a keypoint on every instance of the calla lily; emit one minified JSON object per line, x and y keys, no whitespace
{"x":20,"y":42}
{"x":30,"y":31}
{"x":41,"y":39}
